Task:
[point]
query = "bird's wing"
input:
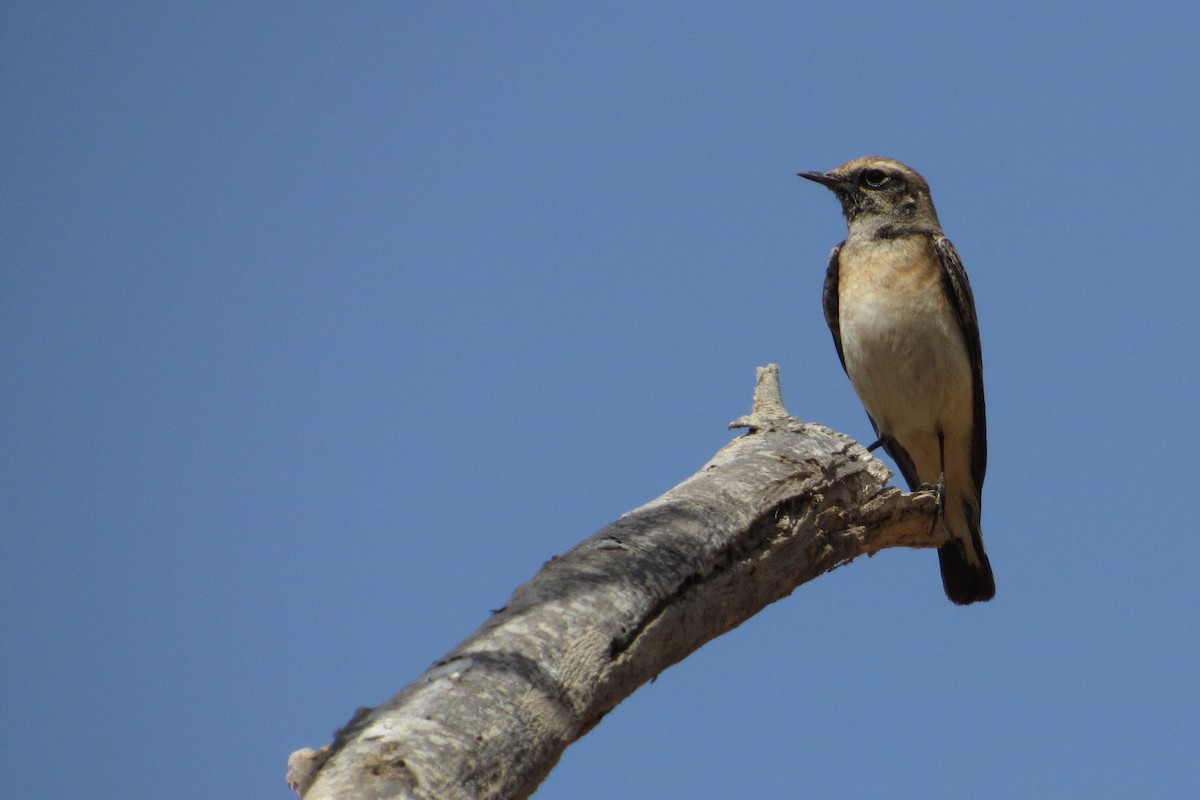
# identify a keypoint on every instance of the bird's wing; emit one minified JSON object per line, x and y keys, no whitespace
{"x":958,"y":291}
{"x":903,"y":460}
{"x":831,"y":302}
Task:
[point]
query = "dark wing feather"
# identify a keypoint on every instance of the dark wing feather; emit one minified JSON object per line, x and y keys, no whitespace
{"x":831,"y":302}
{"x":958,"y":290}
{"x":903,"y":460}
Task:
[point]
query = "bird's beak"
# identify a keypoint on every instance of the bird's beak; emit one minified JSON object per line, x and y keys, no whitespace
{"x":823,"y":178}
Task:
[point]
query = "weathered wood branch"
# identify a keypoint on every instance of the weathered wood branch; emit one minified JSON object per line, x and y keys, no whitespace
{"x":772,"y":510}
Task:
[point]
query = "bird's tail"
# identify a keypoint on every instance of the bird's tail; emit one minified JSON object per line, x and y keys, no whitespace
{"x":966,"y":571}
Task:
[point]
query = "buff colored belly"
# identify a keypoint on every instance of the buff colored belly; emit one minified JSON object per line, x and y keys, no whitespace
{"x":904,"y":351}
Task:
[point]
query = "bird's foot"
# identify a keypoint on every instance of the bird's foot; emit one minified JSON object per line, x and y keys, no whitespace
{"x":939,"y":499}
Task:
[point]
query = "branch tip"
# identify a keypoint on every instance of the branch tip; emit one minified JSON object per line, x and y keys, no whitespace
{"x":302,"y":767}
{"x":768,"y":411}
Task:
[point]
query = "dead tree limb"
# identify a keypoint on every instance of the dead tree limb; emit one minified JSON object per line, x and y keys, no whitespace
{"x":772,"y":510}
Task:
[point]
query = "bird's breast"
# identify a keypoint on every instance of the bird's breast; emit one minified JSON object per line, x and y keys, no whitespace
{"x":902,"y":342}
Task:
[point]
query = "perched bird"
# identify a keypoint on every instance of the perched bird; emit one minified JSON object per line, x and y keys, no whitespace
{"x":902,"y":315}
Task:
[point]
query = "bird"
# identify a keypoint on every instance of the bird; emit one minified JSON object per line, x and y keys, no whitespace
{"x":902,"y":314}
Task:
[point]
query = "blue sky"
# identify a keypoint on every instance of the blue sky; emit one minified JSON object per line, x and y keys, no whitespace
{"x":323,"y":326}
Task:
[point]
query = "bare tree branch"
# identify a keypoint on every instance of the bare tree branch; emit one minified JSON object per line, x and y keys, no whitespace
{"x":772,"y":510}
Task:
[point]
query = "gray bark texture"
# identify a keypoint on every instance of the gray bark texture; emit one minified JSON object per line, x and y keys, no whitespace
{"x":774,"y":509}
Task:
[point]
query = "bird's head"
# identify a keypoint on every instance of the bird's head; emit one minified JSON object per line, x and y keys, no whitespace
{"x":879,"y":191}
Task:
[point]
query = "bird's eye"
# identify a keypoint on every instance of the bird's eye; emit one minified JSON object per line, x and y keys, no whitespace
{"x":875,"y":178}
